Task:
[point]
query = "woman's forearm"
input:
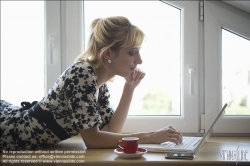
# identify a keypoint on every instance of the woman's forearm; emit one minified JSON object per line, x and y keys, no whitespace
{"x":94,"y":138}
{"x":118,"y":119}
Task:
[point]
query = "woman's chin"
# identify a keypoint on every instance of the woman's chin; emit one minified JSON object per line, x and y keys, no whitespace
{"x":125,"y":75}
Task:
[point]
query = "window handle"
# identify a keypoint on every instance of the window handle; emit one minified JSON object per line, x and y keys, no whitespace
{"x":191,"y":79}
{"x":52,"y":45}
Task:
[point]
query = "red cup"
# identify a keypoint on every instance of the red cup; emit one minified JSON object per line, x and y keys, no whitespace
{"x":128,"y":144}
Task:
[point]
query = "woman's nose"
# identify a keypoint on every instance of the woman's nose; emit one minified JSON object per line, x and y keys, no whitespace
{"x":139,"y":60}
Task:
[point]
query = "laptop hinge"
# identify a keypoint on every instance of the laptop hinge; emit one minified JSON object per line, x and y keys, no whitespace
{"x":202,"y":129}
{"x":201,"y":10}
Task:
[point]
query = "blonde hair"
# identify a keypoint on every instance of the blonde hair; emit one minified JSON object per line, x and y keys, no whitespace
{"x":112,"y":32}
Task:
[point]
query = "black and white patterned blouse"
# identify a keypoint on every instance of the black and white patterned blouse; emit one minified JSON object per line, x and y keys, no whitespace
{"x":71,"y":104}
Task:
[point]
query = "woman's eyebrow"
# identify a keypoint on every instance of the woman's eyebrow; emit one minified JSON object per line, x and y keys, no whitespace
{"x":135,"y":48}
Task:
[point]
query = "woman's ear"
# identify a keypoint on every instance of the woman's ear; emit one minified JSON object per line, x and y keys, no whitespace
{"x":106,"y":54}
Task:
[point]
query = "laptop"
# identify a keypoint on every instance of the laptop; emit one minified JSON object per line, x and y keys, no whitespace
{"x":189,"y":145}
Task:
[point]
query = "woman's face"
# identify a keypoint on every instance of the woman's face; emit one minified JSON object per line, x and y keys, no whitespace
{"x":125,"y":61}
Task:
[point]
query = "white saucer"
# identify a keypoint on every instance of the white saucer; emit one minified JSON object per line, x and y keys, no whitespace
{"x":138,"y":154}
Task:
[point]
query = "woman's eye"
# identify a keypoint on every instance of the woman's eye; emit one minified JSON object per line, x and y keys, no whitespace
{"x":132,"y":53}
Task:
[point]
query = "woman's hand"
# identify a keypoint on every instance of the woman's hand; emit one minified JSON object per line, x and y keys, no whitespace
{"x":135,"y":78}
{"x":166,"y":134}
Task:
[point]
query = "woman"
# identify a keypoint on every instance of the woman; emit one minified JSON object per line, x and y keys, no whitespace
{"x":73,"y":105}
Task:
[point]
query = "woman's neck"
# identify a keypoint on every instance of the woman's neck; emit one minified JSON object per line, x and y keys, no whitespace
{"x":103,"y":75}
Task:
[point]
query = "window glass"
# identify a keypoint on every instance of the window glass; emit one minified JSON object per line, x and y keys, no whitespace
{"x":22,"y":51}
{"x":159,"y":92}
{"x":236,"y":72}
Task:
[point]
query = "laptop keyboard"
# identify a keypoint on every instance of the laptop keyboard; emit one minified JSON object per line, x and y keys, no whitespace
{"x":187,"y":141}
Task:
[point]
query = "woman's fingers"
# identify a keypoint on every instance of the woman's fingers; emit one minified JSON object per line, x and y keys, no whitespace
{"x":174,"y":140}
{"x":137,"y":75}
{"x":177,"y":138}
{"x":168,"y":133}
{"x":171,"y":134}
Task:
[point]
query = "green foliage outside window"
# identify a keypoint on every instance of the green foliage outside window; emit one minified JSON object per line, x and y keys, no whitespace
{"x":156,"y":102}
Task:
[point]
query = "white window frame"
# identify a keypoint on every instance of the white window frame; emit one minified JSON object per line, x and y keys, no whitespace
{"x":64,"y":19}
{"x":218,"y":15}
{"x":72,"y":16}
{"x":52,"y":43}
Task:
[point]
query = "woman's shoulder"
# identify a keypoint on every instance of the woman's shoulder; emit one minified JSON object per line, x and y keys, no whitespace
{"x":81,"y":67}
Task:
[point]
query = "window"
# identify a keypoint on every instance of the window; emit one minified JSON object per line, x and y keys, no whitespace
{"x":22,"y":51}
{"x":236,"y":72}
{"x":163,"y":97}
{"x":30,"y":49}
{"x":226,"y":39}
{"x":193,"y":63}
{"x":159,"y":92}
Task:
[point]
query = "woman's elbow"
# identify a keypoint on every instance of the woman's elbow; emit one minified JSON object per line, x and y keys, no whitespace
{"x":90,"y":137}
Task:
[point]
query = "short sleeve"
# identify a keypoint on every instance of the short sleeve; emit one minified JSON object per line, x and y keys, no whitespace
{"x":105,"y":109}
{"x":81,"y":87}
